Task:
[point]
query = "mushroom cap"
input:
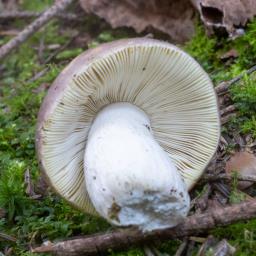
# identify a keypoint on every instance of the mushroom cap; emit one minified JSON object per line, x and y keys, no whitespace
{"x":159,"y":78}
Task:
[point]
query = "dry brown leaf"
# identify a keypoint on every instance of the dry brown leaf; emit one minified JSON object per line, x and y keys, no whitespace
{"x":232,"y":16}
{"x":245,"y":164}
{"x":174,"y":18}
{"x":231,"y":54}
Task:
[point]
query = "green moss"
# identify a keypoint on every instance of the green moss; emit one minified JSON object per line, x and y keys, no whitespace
{"x":67,"y":54}
{"x":131,"y":252}
{"x":36,"y":5}
{"x":108,"y":36}
{"x":241,"y":235}
{"x":203,"y":49}
{"x":244,"y":96}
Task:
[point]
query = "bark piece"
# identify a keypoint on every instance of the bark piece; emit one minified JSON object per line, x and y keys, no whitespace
{"x":229,"y":15}
{"x":9,"y":15}
{"x":174,"y":18}
{"x":121,"y":239}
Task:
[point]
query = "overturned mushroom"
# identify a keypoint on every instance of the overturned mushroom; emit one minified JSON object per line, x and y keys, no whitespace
{"x":127,"y":129}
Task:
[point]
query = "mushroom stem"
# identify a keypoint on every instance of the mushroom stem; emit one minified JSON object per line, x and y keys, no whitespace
{"x":130,"y":179}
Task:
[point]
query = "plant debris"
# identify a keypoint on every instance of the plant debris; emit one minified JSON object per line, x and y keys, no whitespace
{"x":175,"y":18}
{"x":230,"y":16}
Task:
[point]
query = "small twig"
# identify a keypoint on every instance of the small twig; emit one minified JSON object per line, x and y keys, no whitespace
{"x":227,"y":114}
{"x":148,"y":251}
{"x":227,"y":117}
{"x":201,"y":202}
{"x":7,"y":15}
{"x":224,"y":86}
{"x":151,"y":250}
{"x":50,"y":57}
{"x":43,"y":19}
{"x":208,"y":243}
{"x":11,"y":32}
{"x":190,"y":248}
{"x":222,"y":188}
{"x":121,"y":239}
{"x":7,"y":237}
{"x":182,"y":248}
{"x":197,"y":239}
{"x":41,"y":49}
{"x":38,"y":75}
{"x":212,"y":178}
{"x":227,"y":110}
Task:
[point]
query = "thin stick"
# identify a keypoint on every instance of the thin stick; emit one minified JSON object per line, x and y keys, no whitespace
{"x":10,"y":15}
{"x":227,"y":110}
{"x":46,"y":16}
{"x":121,"y":239}
{"x":228,"y":117}
{"x":7,"y":237}
{"x":181,"y":248}
{"x":224,"y":86}
{"x":50,"y":57}
{"x":212,"y":178}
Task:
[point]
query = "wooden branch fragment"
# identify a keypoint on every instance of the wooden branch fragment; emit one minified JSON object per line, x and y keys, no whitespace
{"x":224,"y":86}
{"x":227,"y":118}
{"x":4,"y":236}
{"x":121,"y":239}
{"x":11,"y":15}
{"x":227,"y":110}
{"x":182,"y":248}
{"x":46,"y":16}
{"x":211,"y":178}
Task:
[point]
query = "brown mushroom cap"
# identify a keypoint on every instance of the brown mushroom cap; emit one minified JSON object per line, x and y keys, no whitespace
{"x":159,"y":78}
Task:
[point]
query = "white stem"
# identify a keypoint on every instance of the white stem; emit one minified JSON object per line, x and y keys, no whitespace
{"x":130,"y":179}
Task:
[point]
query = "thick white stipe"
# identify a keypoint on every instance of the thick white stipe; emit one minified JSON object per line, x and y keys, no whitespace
{"x":130,"y":179}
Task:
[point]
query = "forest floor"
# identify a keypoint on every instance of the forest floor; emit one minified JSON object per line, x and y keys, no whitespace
{"x":31,"y":214}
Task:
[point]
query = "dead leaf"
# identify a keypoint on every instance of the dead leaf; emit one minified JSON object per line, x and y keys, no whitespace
{"x":245,"y":164}
{"x":231,"y":16}
{"x":231,"y":54}
{"x":174,"y":18}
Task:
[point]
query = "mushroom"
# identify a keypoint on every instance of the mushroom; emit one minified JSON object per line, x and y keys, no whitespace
{"x":127,"y":129}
